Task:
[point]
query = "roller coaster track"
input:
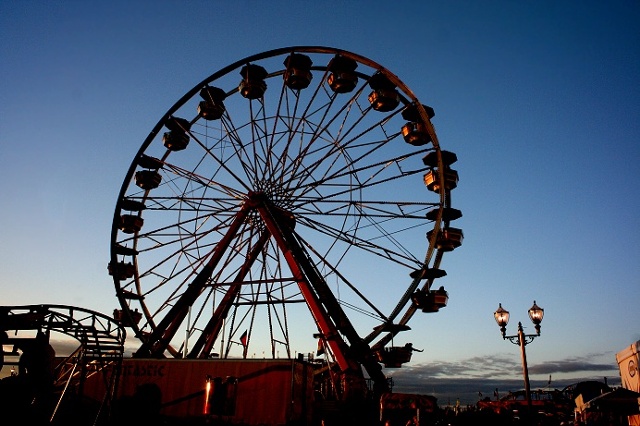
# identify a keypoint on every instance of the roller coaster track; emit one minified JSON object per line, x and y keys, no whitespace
{"x":100,"y":351}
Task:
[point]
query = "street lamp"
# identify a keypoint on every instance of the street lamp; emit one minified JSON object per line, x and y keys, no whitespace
{"x":502,"y":318}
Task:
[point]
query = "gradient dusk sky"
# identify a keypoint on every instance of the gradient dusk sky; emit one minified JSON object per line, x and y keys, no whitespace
{"x":539,"y":100}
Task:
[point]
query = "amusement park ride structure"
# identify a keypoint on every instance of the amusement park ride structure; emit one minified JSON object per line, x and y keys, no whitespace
{"x":289,"y":189}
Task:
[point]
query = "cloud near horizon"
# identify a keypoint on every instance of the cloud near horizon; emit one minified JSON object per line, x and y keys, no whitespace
{"x":478,"y":377}
{"x":502,"y":365}
{"x":572,"y":365}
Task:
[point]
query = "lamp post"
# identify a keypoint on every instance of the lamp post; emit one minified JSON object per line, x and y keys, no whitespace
{"x":502,"y":318}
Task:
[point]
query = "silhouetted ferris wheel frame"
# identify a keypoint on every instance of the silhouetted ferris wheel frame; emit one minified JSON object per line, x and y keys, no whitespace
{"x":291,"y":178}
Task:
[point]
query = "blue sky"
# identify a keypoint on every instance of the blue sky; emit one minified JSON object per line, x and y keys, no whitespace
{"x":540,"y":101}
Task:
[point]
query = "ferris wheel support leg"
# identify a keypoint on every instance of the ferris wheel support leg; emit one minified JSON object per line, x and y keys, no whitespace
{"x":205,"y":343}
{"x":325,"y":324}
{"x":159,"y":340}
{"x":331,"y":321}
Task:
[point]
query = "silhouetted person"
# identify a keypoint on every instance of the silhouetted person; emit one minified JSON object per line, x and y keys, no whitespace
{"x":27,"y":397}
{"x":37,"y":361}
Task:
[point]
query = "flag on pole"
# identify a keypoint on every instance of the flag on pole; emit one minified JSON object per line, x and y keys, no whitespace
{"x":320,"y":349}
{"x":243,"y":339}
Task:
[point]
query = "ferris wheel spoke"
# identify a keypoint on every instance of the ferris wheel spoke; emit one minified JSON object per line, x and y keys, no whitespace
{"x":220,"y":164}
{"x":374,"y":169}
{"x":159,"y":270}
{"x":333,"y":268}
{"x":354,"y":241}
{"x":322,"y":128}
{"x":339,"y":188}
{"x":339,"y":145}
{"x":296,"y":127}
{"x":376,"y":222}
{"x":286,"y":115}
{"x":231,"y":138}
{"x":242,"y":147}
{"x":373,"y":208}
{"x":283,"y":118}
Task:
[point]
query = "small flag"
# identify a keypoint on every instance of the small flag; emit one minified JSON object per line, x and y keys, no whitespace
{"x":320,"y":349}
{"x":243,"y":339}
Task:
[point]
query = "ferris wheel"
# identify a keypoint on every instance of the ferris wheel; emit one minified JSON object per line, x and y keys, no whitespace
{"x":294,"y":195}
